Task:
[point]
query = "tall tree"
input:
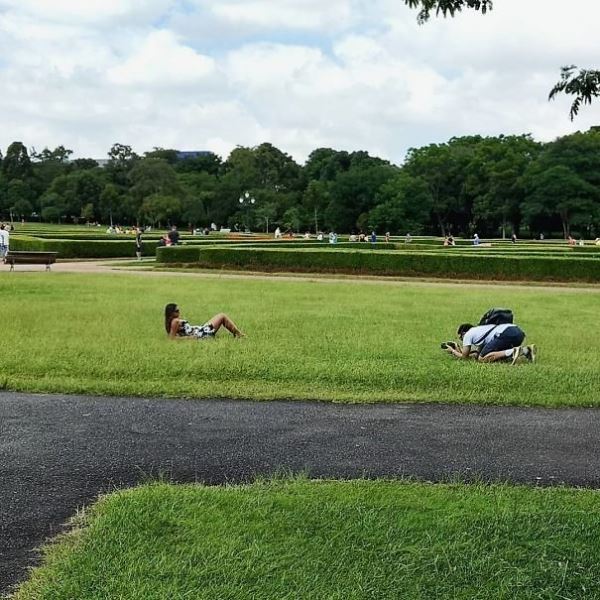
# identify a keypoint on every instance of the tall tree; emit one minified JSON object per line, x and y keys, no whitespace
{"x":16,"y":164}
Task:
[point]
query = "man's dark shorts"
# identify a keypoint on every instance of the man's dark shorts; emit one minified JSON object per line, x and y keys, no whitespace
{"x":511,"y":337}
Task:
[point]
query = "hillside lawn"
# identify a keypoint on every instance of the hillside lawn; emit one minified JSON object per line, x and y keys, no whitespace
{"x":328,"y":540}
{"x":347,"y":341}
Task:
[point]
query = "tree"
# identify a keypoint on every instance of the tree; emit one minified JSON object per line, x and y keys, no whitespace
{"x":315,"y":200}
{"x":493,"y":179}
{"x":353,"y":193}
{"x":210,"y":163}
{"x":446,"y":7}
{"x":585,"y":85}
{"x":436,"y":166}
{"x":265,"y":214}
{"x":16,"y":164}
{"x":74,"y":191}
{"x":87,"y":212}
{"x":559,"y":191}
{"x":51,"y":214}
{"x":168,"y":155}
{"x":121,"y":159}
{"x":22,"y":208}
{"x":160,"y":208}
{"x":404,"y":205}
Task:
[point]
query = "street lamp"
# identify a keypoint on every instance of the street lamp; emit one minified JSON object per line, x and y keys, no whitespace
{"x":247,"y":200}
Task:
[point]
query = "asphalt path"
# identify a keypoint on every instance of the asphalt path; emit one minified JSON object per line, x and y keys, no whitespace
{"x":57,"y":453}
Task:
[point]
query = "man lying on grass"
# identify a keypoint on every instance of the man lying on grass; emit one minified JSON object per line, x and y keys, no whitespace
{"x":180,"y":328}
{"x":491,"y":343}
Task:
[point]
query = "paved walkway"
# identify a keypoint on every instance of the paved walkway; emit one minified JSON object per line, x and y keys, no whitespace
{"x":58,"y":453}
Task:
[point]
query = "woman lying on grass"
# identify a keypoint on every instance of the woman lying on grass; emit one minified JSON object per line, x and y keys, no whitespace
{"x":180,"y":328}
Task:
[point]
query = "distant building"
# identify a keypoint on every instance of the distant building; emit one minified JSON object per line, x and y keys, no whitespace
{"x":187,"y":154}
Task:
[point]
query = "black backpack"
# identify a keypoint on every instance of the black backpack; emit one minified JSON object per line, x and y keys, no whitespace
{"x":497,"y":316}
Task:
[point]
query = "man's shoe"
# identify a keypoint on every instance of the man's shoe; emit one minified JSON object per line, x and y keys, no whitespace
{"x":531,"y":353}
{"x":516,"y":352}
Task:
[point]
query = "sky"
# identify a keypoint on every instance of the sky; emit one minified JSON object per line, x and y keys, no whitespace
{"x":300,"y":74}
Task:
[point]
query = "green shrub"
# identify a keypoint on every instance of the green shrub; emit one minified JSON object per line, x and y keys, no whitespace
{"x":83,"y":248}
{"x":474,"y":266}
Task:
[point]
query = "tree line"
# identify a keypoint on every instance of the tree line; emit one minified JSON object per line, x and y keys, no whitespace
{"x":490,"y":185}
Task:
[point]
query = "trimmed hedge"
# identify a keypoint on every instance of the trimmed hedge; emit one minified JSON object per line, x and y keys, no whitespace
{"x":83,"y":248}
{"x":451,"y":265}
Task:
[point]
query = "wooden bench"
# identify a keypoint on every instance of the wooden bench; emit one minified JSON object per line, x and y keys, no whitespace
{"x":30,"y":258}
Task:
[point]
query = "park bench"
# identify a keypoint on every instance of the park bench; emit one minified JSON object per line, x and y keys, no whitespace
{"x":30,"y":258}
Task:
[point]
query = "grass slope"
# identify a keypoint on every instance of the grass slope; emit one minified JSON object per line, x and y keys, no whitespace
{"x":328,"y":540}
{"x":342,"y":341}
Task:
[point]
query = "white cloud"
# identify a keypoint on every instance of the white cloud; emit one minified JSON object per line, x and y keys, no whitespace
{"x":90,"y":12}
{"x":351,"y":74}
{"x":160,"y":60}
{"x":289,"y":14}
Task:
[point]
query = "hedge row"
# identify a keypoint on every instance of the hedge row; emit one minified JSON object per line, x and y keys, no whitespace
{"x":387,"y":263}
{"x":84,"y":248}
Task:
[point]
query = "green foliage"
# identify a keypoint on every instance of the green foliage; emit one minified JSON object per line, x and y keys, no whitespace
{"x":449,"y":263}
{"x":82,"y":248}
{"x":290,"y":539}
{"x":491,"y":186}
{"x":380,"y":342}
{"x":447,"y":7}
{"x":585,"y":86}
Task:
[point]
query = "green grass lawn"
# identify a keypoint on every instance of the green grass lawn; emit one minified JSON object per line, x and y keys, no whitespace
{"x":343,"y":341}
{"x":328,"y":540}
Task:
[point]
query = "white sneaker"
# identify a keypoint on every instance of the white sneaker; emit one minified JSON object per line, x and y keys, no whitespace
{"x":516,"y":352}
{"x":531,"y":353}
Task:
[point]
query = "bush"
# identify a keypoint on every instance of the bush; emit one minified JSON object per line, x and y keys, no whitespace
{"x":83,"y":248}
{"x":435,"y":264}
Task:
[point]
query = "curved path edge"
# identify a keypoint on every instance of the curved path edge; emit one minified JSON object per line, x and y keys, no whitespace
{"x":58,"y":453}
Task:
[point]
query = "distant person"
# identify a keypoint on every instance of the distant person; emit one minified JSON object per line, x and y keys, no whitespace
{"x":173,"y":235}
{"x":138,"y":243}
{"x":320,"y":236}
{"x":513,"y":238}
{"x":373,"y":238}
{"x":278,"y":235}
{"x":581,"y":242}
{"x":491,"y":343}
{"x":387,"y":237}
{"x":213,"y":226}
{"x":476,"y":240}
{"x":177,"y":327}
{"x":4,"y":241}
{"x":408,"y":239}
{"x":541,"y":237}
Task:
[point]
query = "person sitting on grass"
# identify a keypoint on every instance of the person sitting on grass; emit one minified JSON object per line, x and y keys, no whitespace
{"x":491,"y":343}
{"x":179,"y":328}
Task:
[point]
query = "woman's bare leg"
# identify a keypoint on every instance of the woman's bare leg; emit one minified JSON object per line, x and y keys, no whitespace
{"x":222,"y":320}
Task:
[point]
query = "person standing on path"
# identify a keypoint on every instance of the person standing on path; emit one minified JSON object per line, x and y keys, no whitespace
{"x":138,"y":242}
{"x":4,"y":236}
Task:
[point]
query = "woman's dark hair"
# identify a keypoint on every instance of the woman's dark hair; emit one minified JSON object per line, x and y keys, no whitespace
{"x":170,"y":310}
{"x":462,"y":329}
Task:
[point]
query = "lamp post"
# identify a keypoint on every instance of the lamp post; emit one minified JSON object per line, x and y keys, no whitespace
{"x":247,"y":200}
